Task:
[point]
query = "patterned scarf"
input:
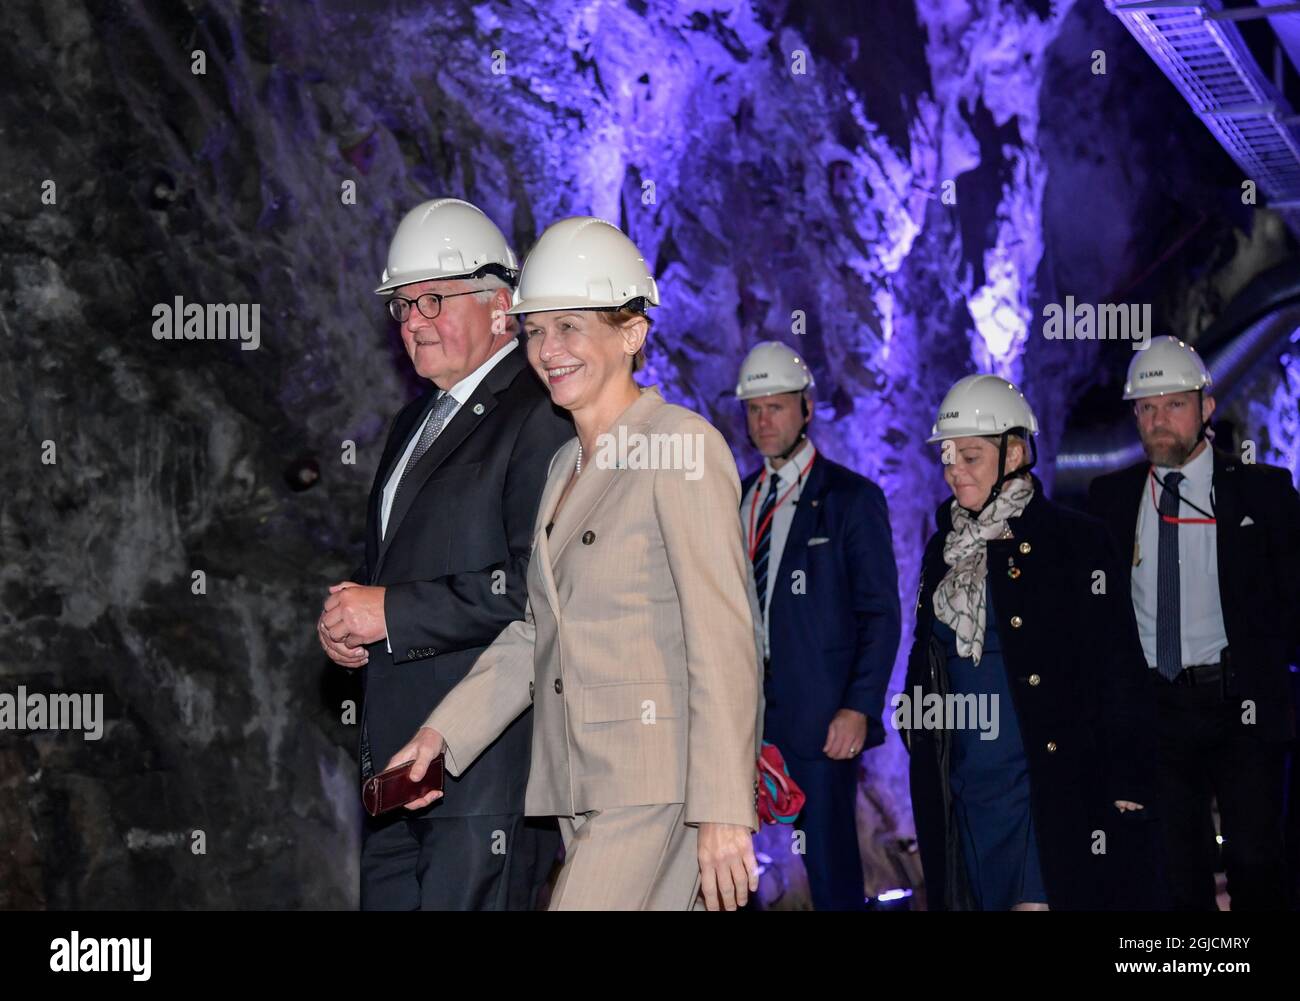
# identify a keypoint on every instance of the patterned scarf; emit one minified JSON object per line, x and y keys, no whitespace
{"x":959,"y":598}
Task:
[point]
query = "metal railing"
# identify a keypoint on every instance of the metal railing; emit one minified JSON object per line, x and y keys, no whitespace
{"x":1200,"y":49}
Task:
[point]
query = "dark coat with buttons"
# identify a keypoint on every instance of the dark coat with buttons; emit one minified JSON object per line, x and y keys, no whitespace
{"x":1078,"y":683}
{"x":454,"y":562}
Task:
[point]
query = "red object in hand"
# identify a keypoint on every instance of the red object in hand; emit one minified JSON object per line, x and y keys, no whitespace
{"x":393,"y":788}
{"x":780,"y":799}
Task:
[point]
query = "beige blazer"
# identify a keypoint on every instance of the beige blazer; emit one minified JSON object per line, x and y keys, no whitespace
{"x":640,"y":648}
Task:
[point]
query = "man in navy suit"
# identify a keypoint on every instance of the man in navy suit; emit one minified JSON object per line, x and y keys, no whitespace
{"x":1215,"y":542}
{"x":819,"y":540}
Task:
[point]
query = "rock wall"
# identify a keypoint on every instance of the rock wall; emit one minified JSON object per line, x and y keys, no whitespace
{"x":896,"y":189}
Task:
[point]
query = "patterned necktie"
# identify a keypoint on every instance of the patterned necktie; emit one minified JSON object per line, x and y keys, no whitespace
{"x":442,"y":409}
{"x":1169,"y":643}
{"x":763,"y":547}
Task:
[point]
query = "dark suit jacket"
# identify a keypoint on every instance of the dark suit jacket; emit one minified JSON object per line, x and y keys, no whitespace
{"x":454,"y":562}
{"x":833,"y":645}
{"x":1259,"y":573}
{"x":1079,"y":689}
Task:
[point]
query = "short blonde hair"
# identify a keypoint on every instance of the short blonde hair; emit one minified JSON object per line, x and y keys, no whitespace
{"x":1013,"y":439}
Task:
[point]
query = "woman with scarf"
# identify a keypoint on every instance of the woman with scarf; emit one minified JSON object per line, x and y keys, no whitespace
{"x":1025,"y":708}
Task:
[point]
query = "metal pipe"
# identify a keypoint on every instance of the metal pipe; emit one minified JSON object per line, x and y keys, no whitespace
{"x":1232,"y":363}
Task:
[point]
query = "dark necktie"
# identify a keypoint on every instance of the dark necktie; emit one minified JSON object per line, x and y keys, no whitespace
{"x":367,"y":766}
{"x":1169,"y":641}
{"x":442,"y":409}
{"x":763,"y":545}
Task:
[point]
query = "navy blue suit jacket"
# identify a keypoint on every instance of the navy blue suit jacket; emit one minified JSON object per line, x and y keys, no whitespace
{"x":835,"y":615}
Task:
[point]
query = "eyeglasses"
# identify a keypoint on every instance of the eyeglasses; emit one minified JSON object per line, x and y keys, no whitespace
{"x":429,"y":304}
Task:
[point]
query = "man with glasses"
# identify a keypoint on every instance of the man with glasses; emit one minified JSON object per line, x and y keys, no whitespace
{"x":1215,"y":545}
{"x":448,"y":537}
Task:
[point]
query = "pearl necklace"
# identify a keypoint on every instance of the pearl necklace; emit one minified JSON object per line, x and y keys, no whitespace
{"x":578,"y":471}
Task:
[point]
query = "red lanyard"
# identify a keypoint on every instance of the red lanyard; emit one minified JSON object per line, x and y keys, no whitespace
{"x":1170,"y":520}
{"x":753,"y":505}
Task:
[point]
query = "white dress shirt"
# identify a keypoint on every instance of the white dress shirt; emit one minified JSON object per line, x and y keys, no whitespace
{"x":460,"y":393}
{"x":1201,"y":615}
{"x":789,"y":474}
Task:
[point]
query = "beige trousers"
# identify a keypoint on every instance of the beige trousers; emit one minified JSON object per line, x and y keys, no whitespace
{"x":629,"y":858}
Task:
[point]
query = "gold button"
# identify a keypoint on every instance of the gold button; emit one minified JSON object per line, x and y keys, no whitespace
{"x":1025,"y":547}
{"x":1016,"y":622}
{"x":1013,"y":573}
{"x":1051,"y":746}
{"x":1034,"y":680}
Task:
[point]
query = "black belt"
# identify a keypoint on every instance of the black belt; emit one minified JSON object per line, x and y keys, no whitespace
{"x":1198,"y":674}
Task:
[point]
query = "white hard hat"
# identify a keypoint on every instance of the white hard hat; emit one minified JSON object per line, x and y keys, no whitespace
{"x":1166,"y":366}
{"x":770,"y":368}
{"x":446,"y":238}
{"x":982,"y":405}
{"x":583,"y":263}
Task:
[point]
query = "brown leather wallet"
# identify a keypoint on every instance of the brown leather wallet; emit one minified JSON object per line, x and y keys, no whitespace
{"x":393,"y":788}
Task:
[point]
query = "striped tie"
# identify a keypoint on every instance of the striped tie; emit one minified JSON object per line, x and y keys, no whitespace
{"x":1169,"y":643}
{"x":445,"y":404}
{"x":763,"y":547}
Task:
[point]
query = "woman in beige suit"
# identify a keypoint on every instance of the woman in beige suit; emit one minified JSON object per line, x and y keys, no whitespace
{"x":638,"y":647}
